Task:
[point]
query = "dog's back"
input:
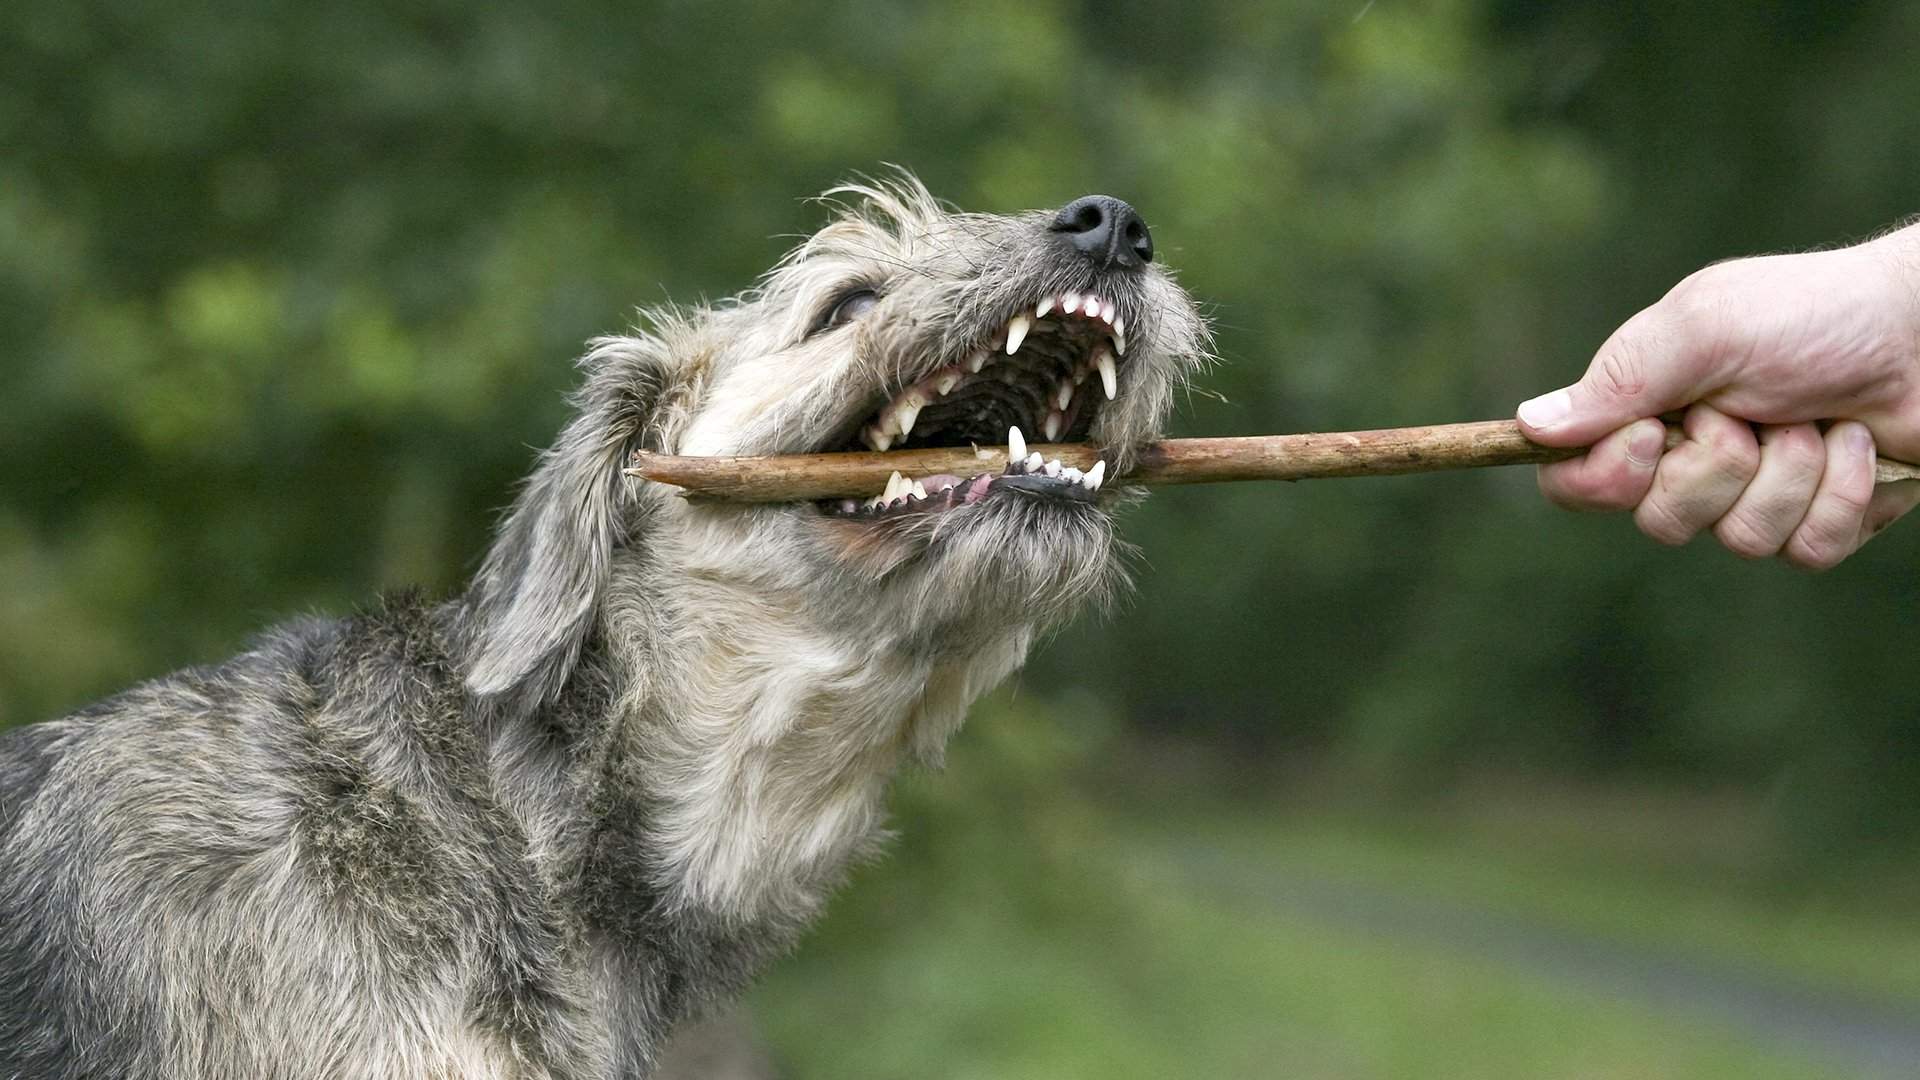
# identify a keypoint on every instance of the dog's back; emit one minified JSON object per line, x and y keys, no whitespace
{"x":249,"y":869}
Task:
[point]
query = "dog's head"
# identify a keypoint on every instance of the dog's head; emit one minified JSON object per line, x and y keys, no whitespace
{"x":901,"y":324}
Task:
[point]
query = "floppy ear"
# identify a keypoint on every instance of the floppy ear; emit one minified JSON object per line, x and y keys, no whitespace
{"x":535,"y":598}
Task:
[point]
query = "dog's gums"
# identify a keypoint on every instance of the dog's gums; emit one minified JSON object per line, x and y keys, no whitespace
{"x":1029,"y":371}
{"x":1050,"y":365}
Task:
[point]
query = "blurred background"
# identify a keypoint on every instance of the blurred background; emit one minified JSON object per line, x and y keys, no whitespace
{"x":1372,"y":778}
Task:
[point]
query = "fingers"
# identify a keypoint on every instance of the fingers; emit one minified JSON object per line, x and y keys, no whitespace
{"x":1657,"y":361}
{"x":1792,"y":459}
{"x":1835,"y":525}
{"x":1698,"y":482}
{"x":1614,"y":475}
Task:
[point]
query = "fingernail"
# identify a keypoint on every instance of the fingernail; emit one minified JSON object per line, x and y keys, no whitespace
{"x":1547,"y":409}
{"x":1645,"y":444}
{"x":1860,"y":441}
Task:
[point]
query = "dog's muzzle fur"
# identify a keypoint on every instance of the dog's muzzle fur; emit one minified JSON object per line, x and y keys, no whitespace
{"x":522,"y":832}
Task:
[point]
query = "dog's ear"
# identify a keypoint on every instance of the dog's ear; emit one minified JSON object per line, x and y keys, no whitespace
{"x":534,"y":601}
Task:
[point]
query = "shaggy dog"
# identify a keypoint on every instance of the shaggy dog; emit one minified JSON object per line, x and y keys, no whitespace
{"x":522,"y":832}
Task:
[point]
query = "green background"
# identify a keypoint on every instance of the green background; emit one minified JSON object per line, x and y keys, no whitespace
{"x":288,"y":292}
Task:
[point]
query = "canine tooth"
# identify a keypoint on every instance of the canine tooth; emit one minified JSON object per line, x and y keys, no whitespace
{"x":1034,"y":462}
{"x":907,"y":412}
{"x":1052,"y":467}
{"x":1040,"y":309}
{"x":1109,"y":378}
{"x":1069,"y":303}
{"x":977,"y":361}
{"x":1097,"y":475}
{"x":1106,"y":311}
{"x":1017,"y":328}
{"x":1016,"y":444}
{"x":946,"y":379}
{"x":1055,"y":421}
{"x":1092,"y":307}
{"x":917,"y":491}
{"x":1063,"y":395}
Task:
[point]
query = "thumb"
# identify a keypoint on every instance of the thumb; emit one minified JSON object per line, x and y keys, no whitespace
{"x":1643,"y":370}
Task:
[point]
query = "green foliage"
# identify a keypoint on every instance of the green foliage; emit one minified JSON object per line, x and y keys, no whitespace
{"x":1039,"y":923}
{"x":287,"y":292}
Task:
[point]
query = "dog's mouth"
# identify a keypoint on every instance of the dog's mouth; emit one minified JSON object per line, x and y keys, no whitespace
{"x":1044,"y":374}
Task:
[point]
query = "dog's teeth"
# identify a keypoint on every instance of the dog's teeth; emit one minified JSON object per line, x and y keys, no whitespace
{"x":1052,"y":467}
{"x":1091,"y":309}
{"x":1040,"y":309}
{"x":1097,"y":475}
{"x":977,"y":361}
{"x":1017,"y":328}
{"x":1069,"y":303}
{"x":1016,"y":444}
{"x":875,"y":437}
{"x":1120,"y":335}
{"x":1072,"y":474}
{"x":905,"y":413}
{"x":1063,"y":394}
{"x":946,"y":380}
{"x":1034,"y":462}
{"x":893,"y":487}
{"x":1055,"y":421}
{"x":1109,"y":376}
{"x":1106,"y":312}
{"x":1080,"y":375}
{"x":917,"y":490}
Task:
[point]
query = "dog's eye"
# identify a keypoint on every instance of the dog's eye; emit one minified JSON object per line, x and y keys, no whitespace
{"x":848,"y":308}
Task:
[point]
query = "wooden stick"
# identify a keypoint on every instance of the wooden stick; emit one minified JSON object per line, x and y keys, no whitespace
{"x":1390,"y":452}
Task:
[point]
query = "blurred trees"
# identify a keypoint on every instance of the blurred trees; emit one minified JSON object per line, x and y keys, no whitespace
{"x":288,"y":291}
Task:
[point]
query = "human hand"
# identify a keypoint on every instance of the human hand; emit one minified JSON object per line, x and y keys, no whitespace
{"x":1794,"y":371}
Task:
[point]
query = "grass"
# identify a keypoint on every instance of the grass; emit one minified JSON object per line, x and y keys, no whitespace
{"x":1030,"y":929}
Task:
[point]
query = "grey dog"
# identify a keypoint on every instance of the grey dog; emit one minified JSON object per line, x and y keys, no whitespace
{"x":521,"y":832}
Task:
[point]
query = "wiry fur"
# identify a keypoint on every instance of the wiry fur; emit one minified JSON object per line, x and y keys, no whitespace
{"x":520,"y":833}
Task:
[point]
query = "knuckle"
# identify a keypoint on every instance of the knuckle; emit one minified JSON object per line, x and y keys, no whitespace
{"x":1733,"y":452}
{"x":1742,"y":536}
{"x":1823,"y":540}
{"x":1698,"y":305}
{"x":1660,"y":522}
{"x":1800,"y":451}
{"x":1808,"y":555}
{"x":1622,"y":371}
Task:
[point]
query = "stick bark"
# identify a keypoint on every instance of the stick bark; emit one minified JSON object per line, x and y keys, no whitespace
{"x":1310,"y":456}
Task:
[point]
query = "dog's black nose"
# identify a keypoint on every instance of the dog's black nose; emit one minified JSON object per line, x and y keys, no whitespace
{"x":1108,"y":231}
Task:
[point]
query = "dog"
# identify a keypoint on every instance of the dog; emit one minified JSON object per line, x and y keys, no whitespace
{"x":521,"y":832}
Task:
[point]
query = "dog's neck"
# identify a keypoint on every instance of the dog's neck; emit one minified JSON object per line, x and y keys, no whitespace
{"x":760,"y":732}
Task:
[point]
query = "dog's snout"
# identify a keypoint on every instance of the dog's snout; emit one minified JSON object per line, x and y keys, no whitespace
{"x":1106,"y":230}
